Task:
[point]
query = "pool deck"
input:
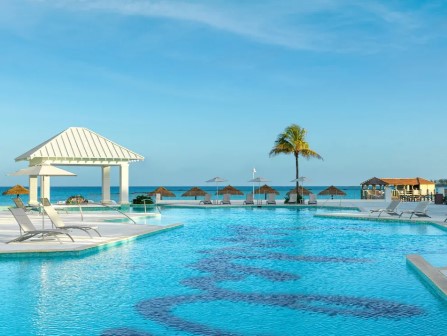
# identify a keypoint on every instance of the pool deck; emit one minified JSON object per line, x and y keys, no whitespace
{"x":438,"y":213}
{"x":112,"y":234}
{"x":436,"y":277}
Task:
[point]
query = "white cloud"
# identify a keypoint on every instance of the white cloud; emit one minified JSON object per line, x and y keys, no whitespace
{"x":326,"y":25}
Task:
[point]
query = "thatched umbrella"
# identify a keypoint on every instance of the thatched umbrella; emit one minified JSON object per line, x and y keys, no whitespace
{"x":230,"y":190}
{"x":16,"y":190}
{"x":332,"y":191}
{"x":194,"y":191}
{"x":301,"y":191}
{"x":163,"y":192}
{"x":265,"y":189}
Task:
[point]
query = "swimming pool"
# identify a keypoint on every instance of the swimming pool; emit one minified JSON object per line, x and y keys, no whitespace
{"x":234,"y":271}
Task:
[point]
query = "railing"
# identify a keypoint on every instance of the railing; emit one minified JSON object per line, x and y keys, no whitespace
{"x":121,"y":212}
{"x":155,"y":205}
{"x":116,"y":209}
{"x":106,"y":206}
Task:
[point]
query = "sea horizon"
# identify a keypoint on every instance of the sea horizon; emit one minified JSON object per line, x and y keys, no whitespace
{"x":61,"y":193}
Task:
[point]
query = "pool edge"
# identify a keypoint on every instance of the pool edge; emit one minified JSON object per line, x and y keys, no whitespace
{"x":430,"y":274}
{"x":86,"y":250}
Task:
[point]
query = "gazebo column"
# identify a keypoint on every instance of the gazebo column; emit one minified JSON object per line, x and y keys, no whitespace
{"x":105,"y":184}
{"x":33,"y":190}
{"x":124,"y":183}
{"x":45,"y":187}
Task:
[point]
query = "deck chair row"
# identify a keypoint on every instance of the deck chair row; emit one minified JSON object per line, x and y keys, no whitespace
{"x":420,"y":210}
{"x":28,"y":230}
{"x":248,"y":199}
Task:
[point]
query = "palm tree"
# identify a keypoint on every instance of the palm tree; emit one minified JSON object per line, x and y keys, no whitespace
{"x":293,"y":141}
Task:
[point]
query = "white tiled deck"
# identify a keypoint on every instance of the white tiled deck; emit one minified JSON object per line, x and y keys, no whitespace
{"x":112,"y":233}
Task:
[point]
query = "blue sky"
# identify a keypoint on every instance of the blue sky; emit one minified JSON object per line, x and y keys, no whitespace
{"x":202,"y":88}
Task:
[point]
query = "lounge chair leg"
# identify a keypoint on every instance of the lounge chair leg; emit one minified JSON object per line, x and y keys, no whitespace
{"x":86,"y":231}
{"x":58,"y":239}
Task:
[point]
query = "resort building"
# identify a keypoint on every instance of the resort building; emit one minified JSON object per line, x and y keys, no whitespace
{"x":78,"y":146}
{"x":409,"y":189}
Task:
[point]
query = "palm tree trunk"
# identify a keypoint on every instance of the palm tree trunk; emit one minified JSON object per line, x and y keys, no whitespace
{"x":297,"y":173}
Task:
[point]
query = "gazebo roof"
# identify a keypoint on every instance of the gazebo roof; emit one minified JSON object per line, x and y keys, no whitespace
{"x":397,"y":181}
{"x":407,"y":181}
{"x":79,"y":145}
{"x":374,"y":181}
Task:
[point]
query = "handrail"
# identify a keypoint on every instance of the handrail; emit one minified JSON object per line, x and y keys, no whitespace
{"x":80,"y":211}
{"x":113,"y":208}
{"x":144,"y":202}
{"x":156,"y":206}
{"x":105,"y":205}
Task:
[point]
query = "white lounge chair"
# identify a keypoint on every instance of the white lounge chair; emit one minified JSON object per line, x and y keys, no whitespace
{"x":293,"y":198}
{"x":206,"y":199}
{"x":46,"y":202}
{"x":58,"y":223}
{"x":420,"y":210}
{"x":226,"y":199}
{"x":249,"y":199}
{"x":19,"y":204}
{"x":29,"y":230}
{"x":271,"y":198}
{"x":312,"y":199}
{"x":390,"y":209}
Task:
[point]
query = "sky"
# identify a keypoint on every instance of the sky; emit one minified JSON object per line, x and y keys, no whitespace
{"x":203,"y":88}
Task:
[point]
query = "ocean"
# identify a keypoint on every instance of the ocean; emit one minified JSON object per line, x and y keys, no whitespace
{"x":94,"y":193}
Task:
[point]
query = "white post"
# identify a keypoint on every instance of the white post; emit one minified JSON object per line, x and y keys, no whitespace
{"x":105,"y":184}
{"x":33,"y":190}
{"x":217,"y":193}
{"x":387,"y":194}
{"x":254,"y":171}
{"x":124,"y":183}
{"x":45,"y":187}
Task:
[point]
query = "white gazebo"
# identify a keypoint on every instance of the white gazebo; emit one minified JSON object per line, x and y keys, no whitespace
{"x":78,"y":146}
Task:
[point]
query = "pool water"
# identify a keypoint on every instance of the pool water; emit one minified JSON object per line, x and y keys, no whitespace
{"x":234,"y":271}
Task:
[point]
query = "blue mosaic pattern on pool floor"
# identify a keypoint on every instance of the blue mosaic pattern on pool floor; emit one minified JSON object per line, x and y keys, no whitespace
{"x":219,"y":265}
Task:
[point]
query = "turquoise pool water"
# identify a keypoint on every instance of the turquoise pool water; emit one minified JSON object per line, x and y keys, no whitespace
{"x":234,"y":271}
